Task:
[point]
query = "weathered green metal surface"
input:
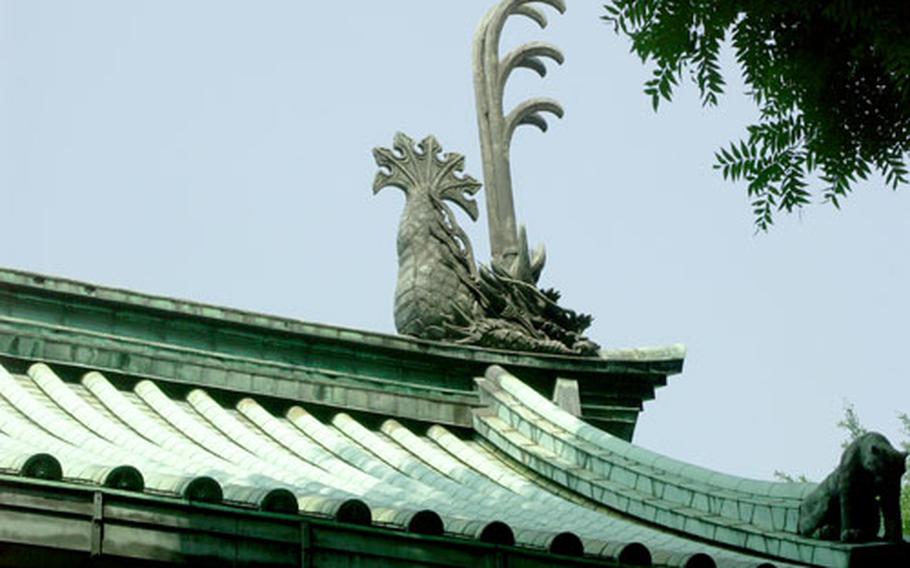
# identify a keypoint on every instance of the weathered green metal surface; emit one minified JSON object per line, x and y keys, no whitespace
{"x":27,"y":340}
{"x":568,"y":476}
{"x":95,"y":429}
{"x":240,"y":457}
{"x":758,"y":516}
{"x":201,"y":326}
{"x":67,"y":525}
{"x":79,"y":324}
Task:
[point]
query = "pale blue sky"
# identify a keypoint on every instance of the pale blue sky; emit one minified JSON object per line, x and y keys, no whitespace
{"x":220,"y":151}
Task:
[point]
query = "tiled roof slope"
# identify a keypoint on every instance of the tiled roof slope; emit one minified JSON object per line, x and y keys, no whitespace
{"x":759,"y":516}
{"x":149,"y":427}
{"x":193,"y":447}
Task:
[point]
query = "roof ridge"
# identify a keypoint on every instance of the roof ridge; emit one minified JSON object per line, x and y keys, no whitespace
{"x":195,"y":309}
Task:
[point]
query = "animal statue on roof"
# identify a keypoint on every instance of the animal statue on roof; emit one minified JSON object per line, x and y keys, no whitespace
{"x":441,"y":293}
{"x":864,"y":489}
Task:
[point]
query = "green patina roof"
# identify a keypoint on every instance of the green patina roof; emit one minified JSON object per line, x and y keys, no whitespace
{"x":171,"y":424}
{"x":191,"y":446}
{"x":657,"y":359}
{"x":80,"y":324}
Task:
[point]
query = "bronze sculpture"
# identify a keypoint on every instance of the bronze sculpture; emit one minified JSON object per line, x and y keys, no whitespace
{"x":442,"y":294}
{"x":846,"y":505}
{"x":508,"y":243}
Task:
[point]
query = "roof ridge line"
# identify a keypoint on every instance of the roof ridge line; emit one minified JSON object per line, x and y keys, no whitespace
{"x":193,"y":309}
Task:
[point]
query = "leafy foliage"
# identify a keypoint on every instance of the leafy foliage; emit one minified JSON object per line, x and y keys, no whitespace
{"x":850,"y":422}
{"x":905,"y":489}
{"x":831,"y":79}
{"x":789,"y":478}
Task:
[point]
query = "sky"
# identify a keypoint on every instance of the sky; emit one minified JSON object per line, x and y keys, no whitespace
{"x":220,"y":151}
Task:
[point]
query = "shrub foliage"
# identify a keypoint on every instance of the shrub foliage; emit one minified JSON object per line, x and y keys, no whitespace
{"x":831,"y":80}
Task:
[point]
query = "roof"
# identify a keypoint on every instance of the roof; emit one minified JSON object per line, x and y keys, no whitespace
{"x":176,"y":433}
{"x":68,"y":322}
{"x":143,"y":439}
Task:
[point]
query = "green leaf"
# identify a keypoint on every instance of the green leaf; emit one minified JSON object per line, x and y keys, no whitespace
{"x":831,"y":109}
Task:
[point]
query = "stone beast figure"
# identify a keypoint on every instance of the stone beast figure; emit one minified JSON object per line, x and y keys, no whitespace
{"x":846,"y":505}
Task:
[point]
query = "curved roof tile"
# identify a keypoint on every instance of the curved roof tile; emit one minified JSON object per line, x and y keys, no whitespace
{"x":754,"y":515}
{"x":425,"y":482}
